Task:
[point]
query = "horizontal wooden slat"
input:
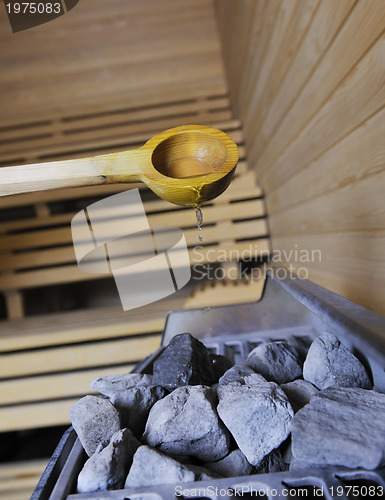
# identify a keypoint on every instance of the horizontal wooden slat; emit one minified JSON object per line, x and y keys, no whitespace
{"x":58,"y":256}
{"x":22,"y":469}
{"x":71,"y":273}
{"x":46,"y":387}
{"x":19,"y":479}
{"x":118,"y":117}
{"x":176,"y":218}
{"x":13,"y":418}
{"x":73,"y":357}
{"x":70,"y":142}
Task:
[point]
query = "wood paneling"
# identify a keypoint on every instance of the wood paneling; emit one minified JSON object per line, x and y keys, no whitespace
{"x":109,"y":55}
{"x":312,"y":103}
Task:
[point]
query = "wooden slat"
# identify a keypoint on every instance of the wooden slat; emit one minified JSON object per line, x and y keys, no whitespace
{"x":349,"y":107}
{"x":69,"y":142}
{"x":283,"y":60}
{"x":283,"y":22}
{"x":176,"y":218}
{"x":72,"y":273}
{"x":73,"y":357}
{"x":359,"y":155}
{"x":337,"y":115}
{"x":118,"y":117}
{"x":22,"y":469}
{"x":83,"y":325}
{"x":77,"y":383}
{"x":357,"y":206}
{"x":324,"y":27}
{"x":13,"y":418}
{"x":18,"y":479}
{"x":58,"y":256}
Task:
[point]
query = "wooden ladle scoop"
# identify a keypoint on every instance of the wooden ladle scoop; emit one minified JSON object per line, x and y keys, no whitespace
{"x":186,"y":165}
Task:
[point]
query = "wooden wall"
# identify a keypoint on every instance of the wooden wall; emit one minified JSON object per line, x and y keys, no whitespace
{"x":307,"y":78}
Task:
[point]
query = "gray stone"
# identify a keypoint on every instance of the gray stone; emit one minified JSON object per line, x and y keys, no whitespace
{"x":220,"y":365}
{"x":151,"y":467}
{"x":299,"y":393}
{"x":186,"y":423}
{"x":329,"y":363}
{"x":234,"y":464}
{"x":236,"y":374}
{"x":185,"y":361}
{"x":257,"y":414}
{"x":107,"y":468}
{"x":277,"y":361}
{"x":273,"y":462}
{"x":133,"y":395}
{"x":118,"y":383}
{"x":341,"y":426}
{"x":95,"y":420}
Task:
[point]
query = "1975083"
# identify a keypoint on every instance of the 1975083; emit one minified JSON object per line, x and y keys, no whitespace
{"x":34,"y":8}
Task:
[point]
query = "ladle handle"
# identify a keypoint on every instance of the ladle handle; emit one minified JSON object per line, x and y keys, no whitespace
{"x":103,"y":169}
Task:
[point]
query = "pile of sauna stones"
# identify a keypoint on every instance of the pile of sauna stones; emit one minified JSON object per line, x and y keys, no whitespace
{"x":197,"y":417}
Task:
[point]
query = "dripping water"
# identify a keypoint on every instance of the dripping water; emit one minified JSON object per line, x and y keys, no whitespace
{"x":199,"y":216}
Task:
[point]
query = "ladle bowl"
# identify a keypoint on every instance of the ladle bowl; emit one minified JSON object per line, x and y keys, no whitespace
{"x":186,"y":165}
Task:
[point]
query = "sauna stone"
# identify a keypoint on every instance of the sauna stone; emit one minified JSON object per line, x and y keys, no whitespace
{"x":234,"y":464}
{"x":257,"y":414}
{"x":151,"y":467}
{"x":236,"y":374}
{"x":95,"y":420}
{"x":340,"y":426}
{"x":132,"y":395}
{"x":277,"y":361}
{"x":329,"y":363}
{"x":185,"y":361}
{"x":186,"y":423}
{"x":107,"y":468}
{"x":299,"y":393}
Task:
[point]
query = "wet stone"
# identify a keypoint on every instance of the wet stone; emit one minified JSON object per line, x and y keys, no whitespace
{"x":107,"y":468}
{"x":329,"y":363}
{"x":257,"y":414}
{"x":277,"y":361}
{"x":340,"y":426}
{"x":95,"y":420}
{"x":186,"y":423}
{"x":185,"y":361}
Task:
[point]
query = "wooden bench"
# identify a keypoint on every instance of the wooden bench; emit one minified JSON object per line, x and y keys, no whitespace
{"x":47,"y":361}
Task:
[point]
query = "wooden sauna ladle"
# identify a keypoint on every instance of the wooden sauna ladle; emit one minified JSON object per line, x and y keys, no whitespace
{"x":186,"y":165}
